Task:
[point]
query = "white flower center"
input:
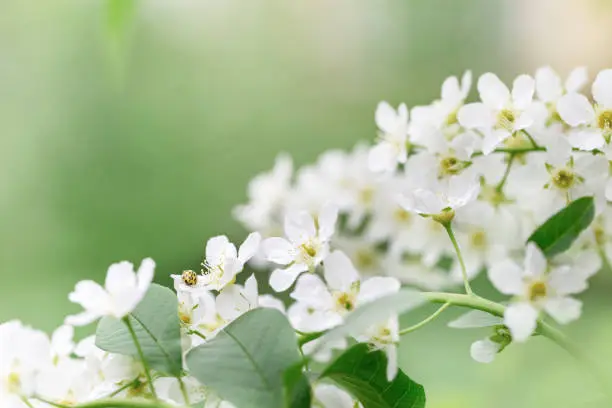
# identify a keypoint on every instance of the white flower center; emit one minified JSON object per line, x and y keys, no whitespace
{"x":307,"y":251}
{"x":564,"y":179}
{"x":345,"y":302}
{"x":537,"y":290}
{"x":478,"y":239}
{"x":506,"y":119}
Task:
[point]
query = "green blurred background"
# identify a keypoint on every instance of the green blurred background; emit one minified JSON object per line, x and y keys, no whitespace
{"x":131,"y":128}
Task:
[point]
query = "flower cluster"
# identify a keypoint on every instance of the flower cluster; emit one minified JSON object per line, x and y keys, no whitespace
{"x":448,"y":191}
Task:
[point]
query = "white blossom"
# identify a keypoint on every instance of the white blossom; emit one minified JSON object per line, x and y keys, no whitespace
{"x":538,"y":286}
{"x":306,"y":245}
{"x":500,"y":113}
{"x":123,"y":290}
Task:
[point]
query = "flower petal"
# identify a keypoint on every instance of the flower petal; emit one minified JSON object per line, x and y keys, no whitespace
{"x":548,"y":84}
{"x":120,"y":276}
{"x":575,"y":109}
{"x":484,"y":351}
{"x":386,"y":117}
{"x":535,"y":262}
{"x":299,"y":227}
{"x":576,"y":79}
{"x":215,"y":249}
{"x":563,"y":309}
{"x":145,"y":274}
{"x":602,"y":88}
{"x":249,"y":247}
{"x":507,"y":277}
{"x":327,"y":221}
{"x":474,"y":319}
{"x":377,"y":287}
{"x":493,"y":92}
{"x":339,"y":271}
{"x":277,"y":250}
{"x":382,"y":158}
{"x":451,"y":92}
{"x":475,"y":115}
{"x":282,"y":279}
{"x":391,"y":352}
{"x":521,"y":319}
{"x":586,"y":139}
{"x":522,"y":91}
{"x":312,"y":291}
{"x":493,"y":139}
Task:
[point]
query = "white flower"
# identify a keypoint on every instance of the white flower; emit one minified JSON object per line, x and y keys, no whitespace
{"x":306,"y":246}
{"x":189,"y":281}
{"x":322,"y":305}
{"x":235,"y":300}
{"x":501,"y":113}
{"x":24,"y":352}
{"x":123,"y":290}
{"x":485,"y":234}
{"x":105,"y":372}
{"x":440,"y":118}
{"x":267,"y":193}
{"x":385,"y":337}
{"x":169,"y":390}
{"x":62,"y":344}
{"x":484,"y":350}
{"x":323,"y":353}
{"x":454,"y":93}
{"x":68,"y":382}
{"x":441,"y":195}
{"x":330,"y":396}
{"x":549,"y":87}
{"x":223,"y":262}
{"x":538,"y":286}
{"x":444,"y":158}
{"x":593,"y":123}
{"x":393,"y":135}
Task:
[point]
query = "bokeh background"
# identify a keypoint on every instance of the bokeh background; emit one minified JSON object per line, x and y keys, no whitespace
{"x":130,"y":128}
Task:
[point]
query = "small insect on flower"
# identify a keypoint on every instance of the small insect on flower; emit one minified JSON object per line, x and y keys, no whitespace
{"x":189,"y":277}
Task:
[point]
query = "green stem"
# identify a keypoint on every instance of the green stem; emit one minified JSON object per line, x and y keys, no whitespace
{"x":514,"y":150}
{"x":429,"y":319}
{"x":500,"y":186}
{"x":449,"y":229}
{"x":531,"y":139}
{"x":126,"y":386}
{"x":197,"y":333}
{"x":28,"y":403}
{"x":183,"y":391}
{"x":141,"y":355}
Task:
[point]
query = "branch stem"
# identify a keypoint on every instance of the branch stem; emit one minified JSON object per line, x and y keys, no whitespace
{"x":500,"y":186}
{"x":143,"y":360}
{"x":466,"y":282}
{"x":425,"y":321}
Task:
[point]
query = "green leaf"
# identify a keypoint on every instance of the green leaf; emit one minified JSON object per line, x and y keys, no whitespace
{"x":246,"y":362}
{"x":558,"y":233}
{"x":363,"y":374}
{"x":297,"y":388}
{"x":156,"y":323}
{"x":374,"y":312}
